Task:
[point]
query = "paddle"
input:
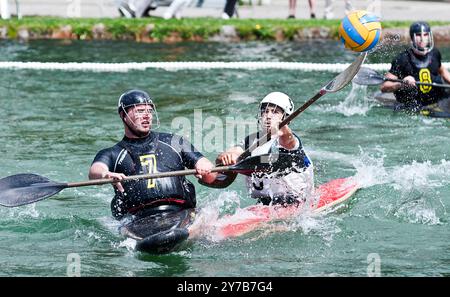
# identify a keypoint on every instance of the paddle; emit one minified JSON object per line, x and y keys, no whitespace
{"x":369,"y":77}
{"x":25,"y":188}
{"x":336,"y":84}
{"x":333,"y":86}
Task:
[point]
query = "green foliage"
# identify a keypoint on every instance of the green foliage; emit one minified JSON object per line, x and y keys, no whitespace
{"x":187,"y":29}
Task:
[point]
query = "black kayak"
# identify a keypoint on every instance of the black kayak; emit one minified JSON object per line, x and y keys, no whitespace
{"x":160,"y":229}
{"x":440,"y":109}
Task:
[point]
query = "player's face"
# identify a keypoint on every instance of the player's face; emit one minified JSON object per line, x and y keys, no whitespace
{"x":422,"y":39}
{"x":271,"y":117}
{"x":141,"y":117}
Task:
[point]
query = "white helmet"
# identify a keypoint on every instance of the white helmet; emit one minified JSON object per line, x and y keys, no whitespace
{"x":279,"y":99}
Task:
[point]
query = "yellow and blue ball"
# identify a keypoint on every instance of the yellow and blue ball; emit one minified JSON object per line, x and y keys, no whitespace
{"x":360,"y":31}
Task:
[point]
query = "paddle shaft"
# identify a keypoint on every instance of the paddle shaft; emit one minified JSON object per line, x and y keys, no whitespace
{"x":418,"y":83}
{"x":340,"y":81}
{"x":26,"y":188}
{"x":95,"y":182}
{"x":368,"y":76}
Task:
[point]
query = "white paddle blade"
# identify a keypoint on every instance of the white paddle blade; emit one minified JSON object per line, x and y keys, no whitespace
{"x":346,"y":76}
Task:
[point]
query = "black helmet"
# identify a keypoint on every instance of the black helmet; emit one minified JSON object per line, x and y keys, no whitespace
{"x":418,"y":28}
{"x":133,"y":97}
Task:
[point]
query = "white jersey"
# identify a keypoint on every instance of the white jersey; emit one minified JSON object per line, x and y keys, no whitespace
{"x":298,"y":184}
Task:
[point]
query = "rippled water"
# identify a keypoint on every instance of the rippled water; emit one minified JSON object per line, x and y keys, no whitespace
{"x":54,"y":122}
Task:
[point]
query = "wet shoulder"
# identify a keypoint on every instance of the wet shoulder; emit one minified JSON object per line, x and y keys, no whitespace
{"x":163,"y":136}
{"x":174,"y":141}
{"x":107,"y":155}
{"x":168,"y":138}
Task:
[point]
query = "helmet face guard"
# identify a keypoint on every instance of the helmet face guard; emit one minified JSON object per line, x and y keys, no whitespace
{"x":276,"y":103}
{"x":139,"y":113}
{"x":135,"y":98}
{"x":269,"y":116}
{"x":266,"y":108}
{"x":421,"y":38}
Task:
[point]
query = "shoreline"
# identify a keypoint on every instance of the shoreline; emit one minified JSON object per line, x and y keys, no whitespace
{"x":154,"y":30}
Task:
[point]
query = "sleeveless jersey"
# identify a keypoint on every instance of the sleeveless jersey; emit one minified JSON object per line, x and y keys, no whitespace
{"x":281,"y":188}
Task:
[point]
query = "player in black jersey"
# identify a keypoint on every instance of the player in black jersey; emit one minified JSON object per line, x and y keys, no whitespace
{"x":143,"y":151}
{"x":421,"y":62}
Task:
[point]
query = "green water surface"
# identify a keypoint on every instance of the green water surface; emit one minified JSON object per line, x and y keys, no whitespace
{"x":54,"y":122}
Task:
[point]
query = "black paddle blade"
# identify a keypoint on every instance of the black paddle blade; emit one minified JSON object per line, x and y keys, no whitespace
{"x":345,"y":76}
{"x":264,"y":163}
{"x":21,"y":189}
{"x":368,"y":77}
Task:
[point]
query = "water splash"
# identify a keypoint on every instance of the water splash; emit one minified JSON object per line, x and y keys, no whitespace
{"x":113,"y":226}
{"x":418,"y":210}
{"x":128,"y":243}
{"x":421,"y":175}
{"x":110,"y":223}
{"x":369,"y":165}
{"x":370,"y":168}
{"x":209,"y":214}
{"x":417,"y":175}
{"x":420,"y":201}
{"x":417,"y":185}
{"x":223,"y":215}
{"x":357,"y":102}
{"x":94,"y":236}
{"x":23,"y":212}
{"x":416,"y":197}
{"x":320,"y":225}
{"x":371,"y":171}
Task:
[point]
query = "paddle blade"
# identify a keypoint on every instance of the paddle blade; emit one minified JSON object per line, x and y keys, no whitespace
{"x":223,"y":180}
{"x":264,"y":163}
{"x":345,"y":76}
{"x":368,"y":77}
{"x":21,"y":189}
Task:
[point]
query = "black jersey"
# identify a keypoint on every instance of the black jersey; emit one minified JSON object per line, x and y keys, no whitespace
{"x":422,"y":68}
{"x":158,"y":152}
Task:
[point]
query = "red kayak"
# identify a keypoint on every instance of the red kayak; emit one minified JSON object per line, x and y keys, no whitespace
{"x":252,"y":217}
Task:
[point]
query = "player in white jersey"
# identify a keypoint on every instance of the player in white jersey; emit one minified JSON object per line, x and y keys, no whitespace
{"x":287,"y":187}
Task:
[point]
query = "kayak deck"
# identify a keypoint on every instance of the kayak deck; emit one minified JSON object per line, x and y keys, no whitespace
{"x":159,"y":230}
{"x":440,"y":109}
{"x":252,"y":217}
